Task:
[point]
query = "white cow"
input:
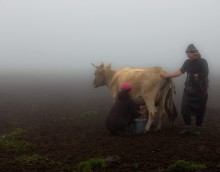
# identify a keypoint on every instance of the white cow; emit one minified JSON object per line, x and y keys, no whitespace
{"x":147,"y":84}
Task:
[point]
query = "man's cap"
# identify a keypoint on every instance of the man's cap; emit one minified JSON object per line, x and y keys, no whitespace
{"x":191,"y":49}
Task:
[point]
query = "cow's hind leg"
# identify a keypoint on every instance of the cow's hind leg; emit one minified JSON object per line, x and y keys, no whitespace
{"x":162,"y":106}
{"x":172,"y":114}
{"x":159,"y":126}
{"x":161,"y":113}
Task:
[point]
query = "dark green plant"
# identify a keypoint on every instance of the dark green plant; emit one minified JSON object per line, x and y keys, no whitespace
{"x":84,"y":166}
{"x":181,"y":165}
{"x":92,"y":164}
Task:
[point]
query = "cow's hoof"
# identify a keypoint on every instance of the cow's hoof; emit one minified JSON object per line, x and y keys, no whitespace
{"x":172,"y":128}
{"x":157,"y":130}
{"x":146,"y":131}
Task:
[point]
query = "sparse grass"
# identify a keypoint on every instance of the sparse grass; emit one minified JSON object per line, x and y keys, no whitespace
{"x":181,"y":165}
{"x":36,"y":160}
{"x":14,"y":141}
{"x":134,"y":165}
{"x":91,"y":165}
{"x":17,"y":134}
{"x":160,"y":169}
{"x":89,"y":113}
{"x":14,"y":145}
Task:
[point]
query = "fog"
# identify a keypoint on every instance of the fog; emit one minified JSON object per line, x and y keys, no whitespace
{"x":55,"y":36}
{"x":56,"y":41}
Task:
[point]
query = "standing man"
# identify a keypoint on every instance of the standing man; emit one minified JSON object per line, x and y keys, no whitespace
{"x":195,"y":93}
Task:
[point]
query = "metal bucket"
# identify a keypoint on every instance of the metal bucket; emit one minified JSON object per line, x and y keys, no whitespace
{"x":139,"y":125}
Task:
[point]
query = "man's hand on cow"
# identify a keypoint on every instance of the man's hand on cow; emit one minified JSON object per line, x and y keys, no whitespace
{"x":164,"y":75}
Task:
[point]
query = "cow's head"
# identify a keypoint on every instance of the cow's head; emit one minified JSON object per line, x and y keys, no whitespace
{"x":100,"y":78}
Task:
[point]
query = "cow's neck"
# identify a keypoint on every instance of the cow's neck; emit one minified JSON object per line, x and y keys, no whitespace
{"x":108,"y":77}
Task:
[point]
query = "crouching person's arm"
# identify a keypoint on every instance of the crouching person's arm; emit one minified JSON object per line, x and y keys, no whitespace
{"x":136,"y":111}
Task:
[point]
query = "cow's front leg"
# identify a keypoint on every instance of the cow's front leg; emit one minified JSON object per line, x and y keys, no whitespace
{"x":149,"y":122}
{"x":152,"y":111}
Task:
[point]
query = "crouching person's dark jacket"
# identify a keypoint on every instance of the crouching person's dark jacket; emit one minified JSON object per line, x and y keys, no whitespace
{"x":121,"y":115}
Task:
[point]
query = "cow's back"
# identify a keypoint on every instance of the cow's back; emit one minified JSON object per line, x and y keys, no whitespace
{"x":142,"y":79}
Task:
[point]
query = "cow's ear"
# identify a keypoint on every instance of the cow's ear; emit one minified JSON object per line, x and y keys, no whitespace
{"x":109,"y":66}
{"x":94,"y":65}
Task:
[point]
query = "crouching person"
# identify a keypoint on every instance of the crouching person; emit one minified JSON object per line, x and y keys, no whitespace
{"x":123,"y":111}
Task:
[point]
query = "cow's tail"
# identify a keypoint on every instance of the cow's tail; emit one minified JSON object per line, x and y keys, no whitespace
{"x":170,"y":106}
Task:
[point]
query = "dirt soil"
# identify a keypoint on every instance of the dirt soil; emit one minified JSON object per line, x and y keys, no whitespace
{"x":66,"y":125}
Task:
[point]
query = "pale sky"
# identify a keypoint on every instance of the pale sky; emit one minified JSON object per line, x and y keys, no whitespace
{"x":72,"y":34}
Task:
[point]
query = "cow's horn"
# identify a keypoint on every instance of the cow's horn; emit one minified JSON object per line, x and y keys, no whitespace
{"x":102,"y":65}
{"x":94,"y":65}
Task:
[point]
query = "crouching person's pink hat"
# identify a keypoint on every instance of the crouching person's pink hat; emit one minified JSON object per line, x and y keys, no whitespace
{"x":126,"y":86}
